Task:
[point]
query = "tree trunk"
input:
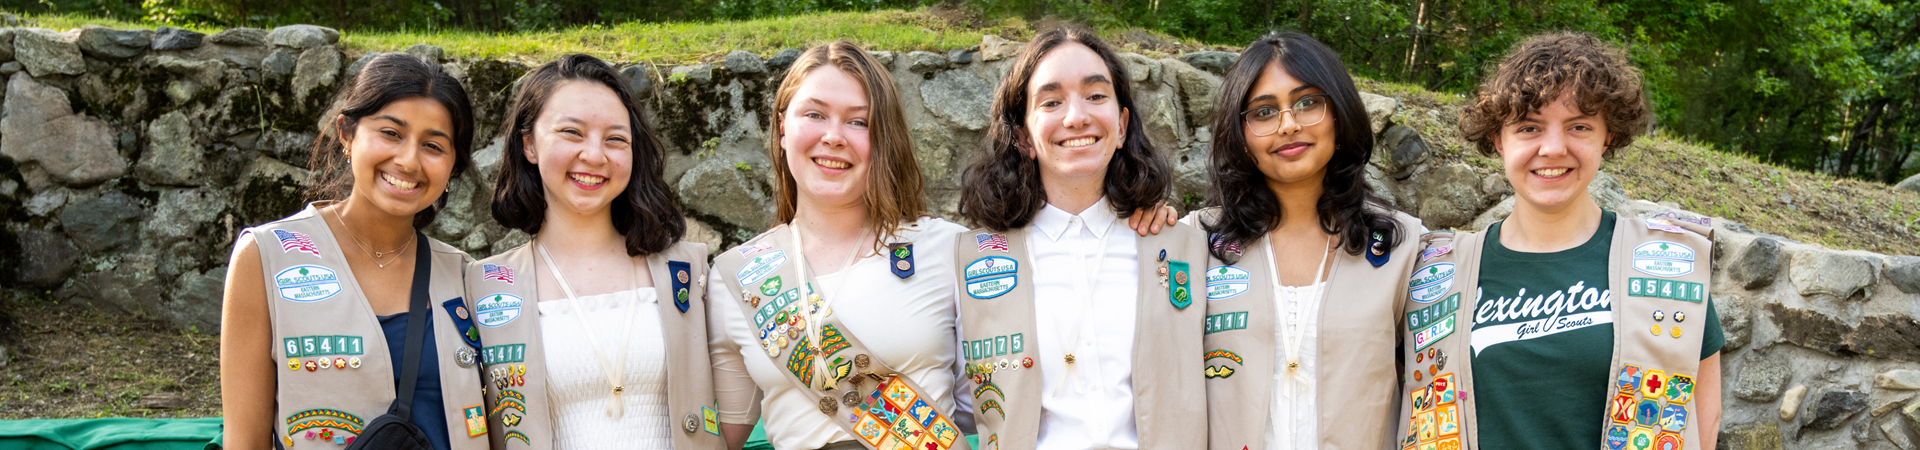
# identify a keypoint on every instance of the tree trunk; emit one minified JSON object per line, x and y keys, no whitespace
{"x":1862,"y":132}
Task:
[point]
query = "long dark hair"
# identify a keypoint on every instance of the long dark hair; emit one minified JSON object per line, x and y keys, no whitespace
{"x":1001,"y":190}
{"x":1248,"y":208}
{"x":388,"y":78}
{"x":646,"y":213}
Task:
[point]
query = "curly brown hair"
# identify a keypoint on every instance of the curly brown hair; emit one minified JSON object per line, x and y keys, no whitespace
{"x":1539,"y":69}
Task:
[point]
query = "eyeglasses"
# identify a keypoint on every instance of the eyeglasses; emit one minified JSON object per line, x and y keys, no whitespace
{"x":1265,"y":120}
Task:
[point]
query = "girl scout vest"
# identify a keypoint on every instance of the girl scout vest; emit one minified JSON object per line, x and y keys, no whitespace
{"x":339,"y":375}
{"x":506,"y":309}
{"x":1659,"y":272}
{"x":875,"y":403}
{"x":1353,"y":377}
{"x":997,"y":317}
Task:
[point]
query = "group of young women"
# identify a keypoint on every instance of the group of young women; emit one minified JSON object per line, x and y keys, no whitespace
{"x":1296,"y":311}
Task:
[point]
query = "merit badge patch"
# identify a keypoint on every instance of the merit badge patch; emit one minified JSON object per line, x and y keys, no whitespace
{"x":1673,"y":418}
{"x":1679,"y":389}
{"x":1447,"y":419}
{"x":292,"y":241}
{"x":1433,"y":333}
{"x":900,"y":259}
{"x":682,"y":279}
{"x":1224,"y":282}
{"x":496,"y":272}
{"x":1443,"y":388}
{"x":476,"y":420}
{"x":1435,"y":252}
{"x":1617,"y":437}
{"x":1647,"y":413}
{"x":497,"y":309}
{"x":1653,"y":384}
{"x":1641,"y":438}
{"x":1431,"y":282}
{"x":1179,"y":292}
{"x":462,"y":320}
{"x":711,"y":420}
{"x":1663,"y":259}
{"x":1629,"y":379}
{"x":992,"y":276}
{"x":1222,"y":371}
{"x":800,"y":362}
{"x":1620,"y":409}
{"x":1377,"y":249}
{"x":761,"y":266}
{"x":307,"y":283}
{"x":1666,"y":441}
{"x":995,"y":241}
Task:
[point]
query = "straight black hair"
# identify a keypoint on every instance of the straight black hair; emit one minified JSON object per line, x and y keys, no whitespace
{"x":646,"y":213}
{"x":386,"y":79}
{"x":1248,"y":208}
{"x":1001,"y":190}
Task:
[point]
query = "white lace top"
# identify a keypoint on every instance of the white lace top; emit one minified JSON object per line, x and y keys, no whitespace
{"x":578,"y":388}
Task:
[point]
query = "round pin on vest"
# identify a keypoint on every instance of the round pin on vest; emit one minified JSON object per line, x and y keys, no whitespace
{"x":1656,"y":330}
{"x":1676,"y":331}
{"x":1679,"y":316}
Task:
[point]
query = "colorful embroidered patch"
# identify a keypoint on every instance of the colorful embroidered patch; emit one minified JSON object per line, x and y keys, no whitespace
{"x":1433,"y":333}
{"x":291,"y":241}
{"x":509,"y":393}
{"x":993,"y":405}
{"x":1679,"y":389}
{"x":1653,"y":384}
{"x":1620,"y":409}
{"x":1647,"y":413}
{"x":984,"y":388}
{"x":476,"y":420}
{"x":1673,"y":418}
{"x":995,"y":241}
{"x":831,"y":341}
{"x":1224,"y":282}
{"x":711,"y":420}
{"x":1218,"y":371}
{"x":1629,"y":379}
{"x":1179,"y":292}
{"x":760,"y":266}
{"x":1663,"y":259}
{"x":1442,"y":385}
{"x":943,"y":432}
{"x":871,"y":430}
{"x":1431,"y":282}
{"x":800,"y":362}
{"x":1666,"y":441}
{"x":1447,"y":419}
{"x":1616,"y":437}
{"x":324,"y":418}
{"x":509,"y":403}
{"x":1435,"y":252}
{"x":495,"y":272}
{"x":1422,"y":399}
{"x":497,"y":309}
{"x":1685,"y":291}
{"x":838,"y":370}
{"x":1424,"y":426}
{"x":898,"y":394}
{"x":991,"y":277}
{"x":307,"y":283}
{"x":771,"y":287}
{"x":1641,"y":438}
{"x":515,"y":434}
{"x":1223,"y":353}
{"x":1226,"y":322}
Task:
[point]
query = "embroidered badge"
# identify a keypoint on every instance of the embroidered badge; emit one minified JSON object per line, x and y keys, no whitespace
{"x":1641,"y":438}
{"x":1424,"y":426}
{"x":1226,"y":322}
{"x":900,"y":256}
{"x":516,"y":434}
{"x":771,"y":287}
{"x":1435,"y":252}
{"x":1673,"y":418}
{"x":1446,"y":419}
{"x":1647,"y":413}
{"x":1443,"y":388}
{"x":800,"y":362}
{"x":992,"y":276}
{"x":995,"y":241}
{"x":1228,"y":354}
{"x":1222,"y":371}
{"x":1620,"y":409}
{"x":1679,"y":389}
{"x":1663,"y":259}
{"x":1221,"y":245}
{"x":1685,"y":291}
{"x":476,"y":420}
{"x":1180,"y":294}
{"x":497,"y":309}
{"x":682,"y":279}
{"x":1667,"y":441}
{"x":1616,"y":437}
{"x":984,"y":388}
{"x":1377,"y":249}
{"x":1433,"y":333}
{"x":872,"y":431}
{"x":292,"y":241}
{"x":324,"y":418}
{"x":1629,"y":379}
{"x":1224,"y":282}
{"x":831,"y":341}
{"x":1431,"y":282}
{"x":1653,"y":384}
{"x":993,"y":405}
{"x":761,"y":266}
{"x":307,"y":283}
{"x":1427,"y":315}
{"x":496,"y":272}
{"x":304,"y":346}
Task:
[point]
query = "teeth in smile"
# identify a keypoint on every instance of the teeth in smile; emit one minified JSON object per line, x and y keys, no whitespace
{"x":1550,"y":173}
{"x":1077,"y":142}
{"x":831,"y":164}
{"x":396,"y":182}
{"x":587,"y":180}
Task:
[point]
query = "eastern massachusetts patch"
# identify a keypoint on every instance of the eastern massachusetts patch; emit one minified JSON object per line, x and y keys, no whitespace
{"x":1685,"y":291}
{"x":307,"y":283}
{"x":1663,"y":259}
{"x":497,"y":309}
{"x":1430,"y":283}
{"x":1179,"y":292}
{"x":760,"y":266}
{"x":992,"y":276}
{"x":1224,"y":282}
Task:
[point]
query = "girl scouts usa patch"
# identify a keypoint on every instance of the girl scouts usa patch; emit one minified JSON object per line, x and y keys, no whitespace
{"x":761,"y":266}
{"x":1431,"y":282}
{"x":1224,"y":282}
{"x":497,"y":309}
{"x":992,"y":276}
{"x":1663,"y":259}
{"x":307,"y":283}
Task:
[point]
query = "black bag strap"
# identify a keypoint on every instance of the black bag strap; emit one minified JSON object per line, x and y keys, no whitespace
{"x":417,"y":316}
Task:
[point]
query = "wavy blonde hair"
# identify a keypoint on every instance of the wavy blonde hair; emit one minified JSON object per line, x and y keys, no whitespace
{"x":894,"y":188}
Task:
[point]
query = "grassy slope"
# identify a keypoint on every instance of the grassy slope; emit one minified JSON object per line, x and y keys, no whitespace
{"x":71,"y":361}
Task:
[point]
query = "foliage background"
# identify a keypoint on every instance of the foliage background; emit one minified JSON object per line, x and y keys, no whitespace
{"x":1819,"y":85}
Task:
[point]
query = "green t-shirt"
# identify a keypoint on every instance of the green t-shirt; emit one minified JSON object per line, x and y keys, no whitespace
{"x":1542,"y":375}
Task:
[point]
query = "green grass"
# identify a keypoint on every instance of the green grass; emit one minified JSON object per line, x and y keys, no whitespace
{"x":664,"y":42}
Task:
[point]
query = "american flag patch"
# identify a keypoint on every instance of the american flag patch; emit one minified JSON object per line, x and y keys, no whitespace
{"x":294,"y":240}
{"x":994,"y":241}
{"x":1220,"y":244}
{"x":496,"y":272}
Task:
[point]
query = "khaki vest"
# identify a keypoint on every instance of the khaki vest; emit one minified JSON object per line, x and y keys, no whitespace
{"x":1000,"y":330}
{"x":1655,"y":265}
{"x":1354,"y":377}
{"x":875,"y":403}
{"x":337,"y":375}
{"x":506,"y":307}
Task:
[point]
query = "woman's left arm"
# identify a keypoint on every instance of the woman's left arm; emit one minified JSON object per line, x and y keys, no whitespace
{"x":1706,"y":397}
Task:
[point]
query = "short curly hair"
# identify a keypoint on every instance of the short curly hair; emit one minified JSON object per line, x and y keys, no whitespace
{"x":1540,"y":69}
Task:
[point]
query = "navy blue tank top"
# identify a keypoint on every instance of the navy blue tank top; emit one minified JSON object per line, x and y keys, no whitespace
{"x":429,"y":412}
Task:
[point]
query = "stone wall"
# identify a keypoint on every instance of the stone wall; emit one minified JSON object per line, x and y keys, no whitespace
{"x":129,"y":159}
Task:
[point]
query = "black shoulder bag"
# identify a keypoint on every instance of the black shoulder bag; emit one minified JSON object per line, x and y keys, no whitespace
{"x":395,"y":429}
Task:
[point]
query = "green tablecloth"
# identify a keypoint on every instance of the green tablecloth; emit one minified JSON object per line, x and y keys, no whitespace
{"x":162,"y":434}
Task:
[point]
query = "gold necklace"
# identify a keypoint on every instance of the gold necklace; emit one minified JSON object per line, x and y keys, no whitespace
{"x":376,"y":255}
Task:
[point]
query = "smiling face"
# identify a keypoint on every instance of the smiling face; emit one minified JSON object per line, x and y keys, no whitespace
{"x":824,"y":134}
{"x":402,"y":156}
{"x":1289,"y":153}
{"x":1074,"y":123}
{"x":583,"y":144}
{"x":1552,"y":154}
